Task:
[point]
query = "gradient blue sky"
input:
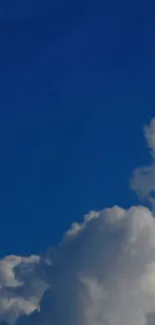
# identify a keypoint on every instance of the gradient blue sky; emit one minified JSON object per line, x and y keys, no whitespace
{"x":77,"y":82}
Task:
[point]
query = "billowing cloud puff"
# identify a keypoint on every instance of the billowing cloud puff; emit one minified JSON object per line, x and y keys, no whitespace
{"x":101,"y":273}
{"x":20,"y":287}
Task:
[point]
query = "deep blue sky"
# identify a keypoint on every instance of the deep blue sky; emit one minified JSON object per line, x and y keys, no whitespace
{"x":77,"y":84}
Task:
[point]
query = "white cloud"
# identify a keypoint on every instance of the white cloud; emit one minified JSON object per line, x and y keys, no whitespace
{"x":102,"y":273}
{"x":20,"y":287}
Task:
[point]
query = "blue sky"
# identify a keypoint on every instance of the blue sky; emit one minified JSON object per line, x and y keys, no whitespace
{"x":77,"y":86}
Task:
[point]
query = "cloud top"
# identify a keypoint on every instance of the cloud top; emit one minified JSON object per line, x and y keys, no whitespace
{"x":102,"y":273}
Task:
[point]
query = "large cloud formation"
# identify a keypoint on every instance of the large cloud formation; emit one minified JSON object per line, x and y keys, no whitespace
{"x":102,"y":273}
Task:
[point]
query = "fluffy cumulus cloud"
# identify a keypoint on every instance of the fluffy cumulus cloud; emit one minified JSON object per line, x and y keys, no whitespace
{"x":102,"y":273}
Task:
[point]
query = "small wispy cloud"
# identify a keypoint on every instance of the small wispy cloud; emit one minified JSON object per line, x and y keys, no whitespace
{"x":143,"y":179}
